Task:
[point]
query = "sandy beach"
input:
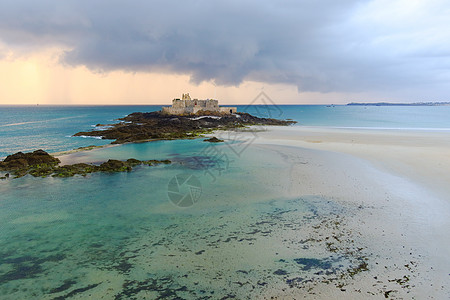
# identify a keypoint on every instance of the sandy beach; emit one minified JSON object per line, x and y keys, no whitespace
{"x":399,"y":180}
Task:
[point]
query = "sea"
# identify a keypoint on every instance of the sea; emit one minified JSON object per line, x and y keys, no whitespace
{"x":187,"y":230}
{"x":27,"y":128}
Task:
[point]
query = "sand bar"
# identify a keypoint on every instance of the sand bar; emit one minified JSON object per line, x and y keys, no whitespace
{"x":400,"y":180}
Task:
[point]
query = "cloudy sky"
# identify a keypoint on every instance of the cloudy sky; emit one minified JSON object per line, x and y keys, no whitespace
{"x":148,"y":52}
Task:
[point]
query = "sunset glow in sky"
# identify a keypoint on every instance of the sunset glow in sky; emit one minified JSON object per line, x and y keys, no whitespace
{"x":148,"y":52}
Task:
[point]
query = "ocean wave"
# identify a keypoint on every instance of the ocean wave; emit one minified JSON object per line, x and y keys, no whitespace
{"x":102,"y":127}
{"x":90,"y":137}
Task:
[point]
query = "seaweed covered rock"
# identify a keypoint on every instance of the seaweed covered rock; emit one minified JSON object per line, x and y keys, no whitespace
{"x":133,"y":162}
{"x":138,"y":126}
{"x":19,"y":160}
{"x":37,"y":163}
{"x":156,"y":162}
{"x":75,"y":169}
{"x":41,"y":164}
{"x":113,"y":165}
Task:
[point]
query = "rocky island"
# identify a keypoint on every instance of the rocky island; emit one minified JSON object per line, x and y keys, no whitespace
{"x":139,"y":127}
{"x":186,"y":118}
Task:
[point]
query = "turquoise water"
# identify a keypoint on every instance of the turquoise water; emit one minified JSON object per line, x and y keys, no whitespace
{"x":25,"y":128}
{"x":120,"y":236}
{"x":394,"y":117}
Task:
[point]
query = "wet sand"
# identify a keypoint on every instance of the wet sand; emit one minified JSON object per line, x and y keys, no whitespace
{"x":396,"y":182}
{"x":80,"y":155}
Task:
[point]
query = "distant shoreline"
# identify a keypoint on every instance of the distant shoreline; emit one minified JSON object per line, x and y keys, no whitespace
{"x":400,"y":104}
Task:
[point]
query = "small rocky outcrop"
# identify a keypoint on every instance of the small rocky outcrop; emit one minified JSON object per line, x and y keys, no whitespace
{"x":213,"y":140}
{"x":39,"y":161}
{"x":75,"y":169}
{"x":21,"y":160}
{"x":113,"y":165}
{"x":41,"y":164}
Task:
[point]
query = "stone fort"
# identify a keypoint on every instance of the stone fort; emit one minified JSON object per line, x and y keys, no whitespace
{"x":186,"y":105}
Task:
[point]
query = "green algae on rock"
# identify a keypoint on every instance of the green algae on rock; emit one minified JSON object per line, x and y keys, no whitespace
{"x":41,"y":164}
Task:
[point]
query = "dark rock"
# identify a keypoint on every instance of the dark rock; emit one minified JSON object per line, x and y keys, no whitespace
{"x":21,"y":160}
{"x":15,"y":156}
{"x":113,"y":165}
{"x":155,"y":162}
{"x":386,"y":293}
{"x":14,"y":164}
{"x":156,"y":126}
{"x":40,"y":152}
{"x":41,"y":164}
{"x":133,"y":162}
{"x":213,"y":140}
{"x":72,"y":170}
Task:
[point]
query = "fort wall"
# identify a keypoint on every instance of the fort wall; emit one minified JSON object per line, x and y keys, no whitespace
{"x":186,"y":105}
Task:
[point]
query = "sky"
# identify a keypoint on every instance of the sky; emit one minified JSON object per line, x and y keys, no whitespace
{"x":77,"y":52}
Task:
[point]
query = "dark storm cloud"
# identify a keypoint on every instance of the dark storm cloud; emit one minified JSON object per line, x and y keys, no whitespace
{"x":316,"y":45}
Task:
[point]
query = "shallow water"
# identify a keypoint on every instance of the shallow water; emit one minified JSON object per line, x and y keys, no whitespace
{"x":119,"y":235}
